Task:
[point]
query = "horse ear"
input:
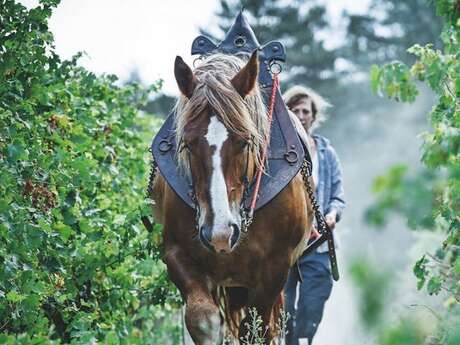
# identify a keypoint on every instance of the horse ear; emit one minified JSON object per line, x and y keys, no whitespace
{"x":245,"y":80}
{"x":184,"y":77}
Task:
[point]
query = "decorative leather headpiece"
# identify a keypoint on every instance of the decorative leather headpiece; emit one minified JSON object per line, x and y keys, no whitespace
{"x":240,"y":39}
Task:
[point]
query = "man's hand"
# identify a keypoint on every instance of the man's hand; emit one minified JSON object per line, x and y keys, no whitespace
{"x":314,"y":234}
{"x":331,"y":219}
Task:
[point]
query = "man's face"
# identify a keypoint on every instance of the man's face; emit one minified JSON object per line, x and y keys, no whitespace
{"x":304,"y":111}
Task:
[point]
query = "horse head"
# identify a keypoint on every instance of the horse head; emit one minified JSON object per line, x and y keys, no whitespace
{"x":220,"y":129}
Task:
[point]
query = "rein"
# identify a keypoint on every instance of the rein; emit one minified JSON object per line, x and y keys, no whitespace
{"x":247,"y":216}
{"x":265,"y":148}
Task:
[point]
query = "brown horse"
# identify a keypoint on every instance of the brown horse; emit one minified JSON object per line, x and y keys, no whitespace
{"x":221,"y":125}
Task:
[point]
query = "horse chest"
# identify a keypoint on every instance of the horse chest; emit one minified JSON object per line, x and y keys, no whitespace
{"x":229,"y":271}
{"x":230,"y":282}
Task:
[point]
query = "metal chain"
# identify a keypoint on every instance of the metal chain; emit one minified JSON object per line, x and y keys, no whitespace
{"x":196,"y":206}
{"x":153,"y":173}
{"x":306,"y":170}
{"x":323,"y":228}
{"x":246,"y":219}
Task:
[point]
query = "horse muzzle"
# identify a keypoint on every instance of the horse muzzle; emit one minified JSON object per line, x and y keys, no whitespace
{"x":222,"y":241}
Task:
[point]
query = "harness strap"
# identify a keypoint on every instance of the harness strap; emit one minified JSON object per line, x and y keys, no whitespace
{"x":326,"y":233}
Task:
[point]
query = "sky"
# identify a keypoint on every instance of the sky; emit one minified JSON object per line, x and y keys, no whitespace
{"x":119,"y":36}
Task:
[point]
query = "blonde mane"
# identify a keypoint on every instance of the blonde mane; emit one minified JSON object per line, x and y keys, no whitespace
{"x":244,"y":117}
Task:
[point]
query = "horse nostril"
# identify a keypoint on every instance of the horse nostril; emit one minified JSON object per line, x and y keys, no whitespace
{"x":235,"y":234}
{"x":205,"y":236}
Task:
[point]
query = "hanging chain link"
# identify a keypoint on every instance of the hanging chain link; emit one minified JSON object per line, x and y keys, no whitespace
{"x":246,"y":219}
{"x":153,"y":173}
{"x":196,"y":206}
{"x":306,"y":171}
{"x":323,"y":228}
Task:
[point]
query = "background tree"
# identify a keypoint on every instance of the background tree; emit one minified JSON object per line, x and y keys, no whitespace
{"x":381,"y":34}
{"x":385,"y":31}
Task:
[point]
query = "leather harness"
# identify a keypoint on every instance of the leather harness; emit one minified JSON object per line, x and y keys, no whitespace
{"x":284,"y":157}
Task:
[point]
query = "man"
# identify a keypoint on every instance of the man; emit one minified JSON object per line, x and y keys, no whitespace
{"x":312,"y":294}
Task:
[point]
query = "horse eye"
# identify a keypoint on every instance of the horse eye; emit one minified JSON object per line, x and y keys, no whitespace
{"x":243,"y":143}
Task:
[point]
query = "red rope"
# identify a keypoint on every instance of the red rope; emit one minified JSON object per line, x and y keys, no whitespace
{"x":267,"y":142}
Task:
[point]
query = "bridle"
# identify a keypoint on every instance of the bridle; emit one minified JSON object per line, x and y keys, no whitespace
{"x":246,"y":220}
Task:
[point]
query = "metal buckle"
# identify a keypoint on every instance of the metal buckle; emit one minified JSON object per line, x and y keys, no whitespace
{"x":291,"y":156}
{"x":164,"y":146}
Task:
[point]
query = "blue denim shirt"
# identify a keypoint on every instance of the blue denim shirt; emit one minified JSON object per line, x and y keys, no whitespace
{"x":329,"y":191}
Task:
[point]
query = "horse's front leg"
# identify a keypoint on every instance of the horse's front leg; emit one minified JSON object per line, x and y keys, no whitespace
{"x":202,"y":316}
{"x":267,"y":301}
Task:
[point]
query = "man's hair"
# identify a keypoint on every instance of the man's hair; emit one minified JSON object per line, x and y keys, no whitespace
{"x":294,"y":96}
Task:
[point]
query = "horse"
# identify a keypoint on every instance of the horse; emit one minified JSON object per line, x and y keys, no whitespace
{"x":222,"y":272}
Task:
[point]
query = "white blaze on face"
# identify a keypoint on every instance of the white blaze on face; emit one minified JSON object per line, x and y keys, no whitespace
{"x":216,"y":136}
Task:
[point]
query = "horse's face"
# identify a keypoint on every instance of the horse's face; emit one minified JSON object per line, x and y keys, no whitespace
{"x":218,"y":165}
{"x":219,"y":162}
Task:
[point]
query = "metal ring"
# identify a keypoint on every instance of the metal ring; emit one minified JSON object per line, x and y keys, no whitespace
{"x":165,"y":145}
{"x":275,"y":67}
{"x":197,"y":59}
{"x":240,"y":41}
{"x":291,"y":156}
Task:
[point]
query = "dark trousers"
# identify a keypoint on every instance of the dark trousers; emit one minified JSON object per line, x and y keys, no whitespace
{"x":313,"y":294}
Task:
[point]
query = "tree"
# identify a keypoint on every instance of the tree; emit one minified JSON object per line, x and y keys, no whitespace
{"x":387,"y":29}
{"x":161,"y":105}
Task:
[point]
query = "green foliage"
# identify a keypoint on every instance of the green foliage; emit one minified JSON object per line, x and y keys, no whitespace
{"x":372,"y":285}
{"x":435,"y":190}
{"x":440,"y":152}
{"x":394,"y":80}
{"x":410,"y":196}
{"x":75,"y":262}
{"x":450,"y":329}
{"x":405,"y":332}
